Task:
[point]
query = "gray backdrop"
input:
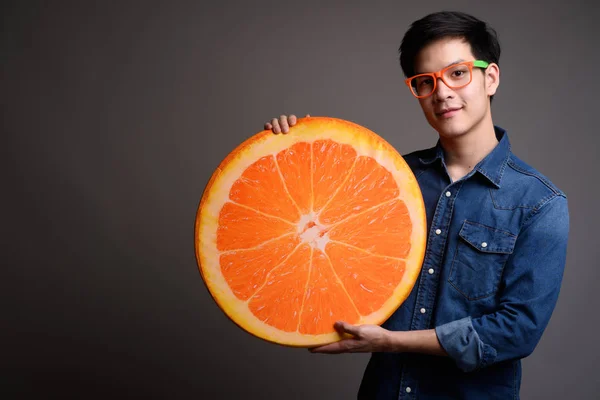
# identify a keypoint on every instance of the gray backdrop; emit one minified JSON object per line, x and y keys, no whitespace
{"x":114,"y":117}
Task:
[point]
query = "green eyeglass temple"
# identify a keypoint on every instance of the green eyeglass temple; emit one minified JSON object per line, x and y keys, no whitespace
{"x":480,"y":64}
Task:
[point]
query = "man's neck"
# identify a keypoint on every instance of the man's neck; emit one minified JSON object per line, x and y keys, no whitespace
{"x":462,"y":153}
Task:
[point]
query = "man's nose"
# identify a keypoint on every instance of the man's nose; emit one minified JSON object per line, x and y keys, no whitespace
{"x":442,"y":91}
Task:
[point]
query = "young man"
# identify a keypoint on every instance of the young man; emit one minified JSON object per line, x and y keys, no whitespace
{"x":497,"y":239}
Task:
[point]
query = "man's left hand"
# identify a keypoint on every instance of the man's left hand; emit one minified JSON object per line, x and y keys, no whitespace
{"x":365,"y":339}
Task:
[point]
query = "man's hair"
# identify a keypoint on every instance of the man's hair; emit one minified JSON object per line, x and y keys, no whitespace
{"x":482,"y":38}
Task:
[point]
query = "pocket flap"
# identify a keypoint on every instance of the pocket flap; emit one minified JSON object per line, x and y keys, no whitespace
{"x":487,"y":239}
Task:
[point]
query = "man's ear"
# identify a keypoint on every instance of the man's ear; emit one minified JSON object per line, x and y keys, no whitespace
{"x":492,"y":79}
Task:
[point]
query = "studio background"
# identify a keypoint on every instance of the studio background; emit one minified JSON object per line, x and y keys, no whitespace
{"x":114,"y":116}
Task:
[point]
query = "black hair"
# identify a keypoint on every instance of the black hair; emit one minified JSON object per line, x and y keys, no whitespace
{"x":482,"y":38}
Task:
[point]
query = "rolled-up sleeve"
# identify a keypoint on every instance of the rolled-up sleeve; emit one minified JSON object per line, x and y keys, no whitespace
{"x":528,"y":293}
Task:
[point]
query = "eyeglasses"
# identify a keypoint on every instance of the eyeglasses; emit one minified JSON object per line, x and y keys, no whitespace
{"x":454,"y":76}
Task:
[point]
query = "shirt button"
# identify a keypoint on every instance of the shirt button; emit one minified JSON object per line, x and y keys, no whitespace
{"x":438,"y":231}
{"x":448,"y":194}
{"x":484,"y":244}
{"x":423,"y":311}
{"x":408,"y":389}
{"x":431,"y":271}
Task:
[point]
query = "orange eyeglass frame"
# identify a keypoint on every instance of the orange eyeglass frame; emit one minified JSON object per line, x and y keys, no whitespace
{"x":440,"y":74}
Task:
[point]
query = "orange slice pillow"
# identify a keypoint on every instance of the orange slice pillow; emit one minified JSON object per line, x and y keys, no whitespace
{"x":297,"y":231}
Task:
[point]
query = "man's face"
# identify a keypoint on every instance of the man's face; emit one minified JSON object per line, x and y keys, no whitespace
{"x":455,"y":112}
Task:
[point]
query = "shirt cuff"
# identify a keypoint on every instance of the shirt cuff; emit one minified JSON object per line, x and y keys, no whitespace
{"x":462,"y":343}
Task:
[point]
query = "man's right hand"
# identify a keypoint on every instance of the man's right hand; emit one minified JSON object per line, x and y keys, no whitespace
{"x":282,"y":124}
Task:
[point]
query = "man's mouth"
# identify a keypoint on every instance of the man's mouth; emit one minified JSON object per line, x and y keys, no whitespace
{"x":448,"y":112}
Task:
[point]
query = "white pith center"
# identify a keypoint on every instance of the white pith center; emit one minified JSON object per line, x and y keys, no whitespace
{"x":311,"y":232}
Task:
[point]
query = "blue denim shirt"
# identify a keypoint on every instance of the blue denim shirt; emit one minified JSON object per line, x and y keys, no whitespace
{"x":490,"y":279}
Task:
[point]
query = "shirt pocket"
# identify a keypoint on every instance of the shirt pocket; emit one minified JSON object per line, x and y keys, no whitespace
{"x":479,"y":259}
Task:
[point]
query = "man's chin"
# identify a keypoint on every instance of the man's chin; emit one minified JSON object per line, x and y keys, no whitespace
{"x":450,"y":132}
{"x":448,"y":128}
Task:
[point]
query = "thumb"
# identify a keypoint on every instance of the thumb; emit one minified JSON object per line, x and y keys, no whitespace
{"x":344,"y":327}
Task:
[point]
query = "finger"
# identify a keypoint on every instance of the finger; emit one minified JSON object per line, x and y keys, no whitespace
{"x":307,"y":115}
{"x":268,"y":126}
{"x":275,"y":125}
{"x":343,"y":346}
{"x":283,"y":123}
{"x":344,"y":327}
{"x":292,"y":120}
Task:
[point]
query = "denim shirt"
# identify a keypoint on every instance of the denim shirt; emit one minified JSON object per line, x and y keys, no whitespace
{"x":491,"y":276}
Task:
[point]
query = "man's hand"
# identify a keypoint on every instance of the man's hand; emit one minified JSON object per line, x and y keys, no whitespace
{"x":283,"y":124}
{"x":366,"y":339}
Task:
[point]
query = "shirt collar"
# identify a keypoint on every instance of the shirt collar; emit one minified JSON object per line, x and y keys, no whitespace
{"x":491,"y":167}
